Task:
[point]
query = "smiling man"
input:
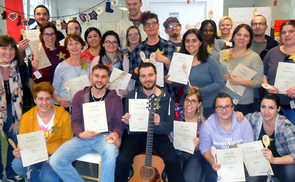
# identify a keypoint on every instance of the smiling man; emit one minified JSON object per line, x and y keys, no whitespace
{"x":135,"y":142}
{"x":133,"y":18}
{"x":173,"y":29}
{"x":154,"y":43}
{"x":86,"y":141}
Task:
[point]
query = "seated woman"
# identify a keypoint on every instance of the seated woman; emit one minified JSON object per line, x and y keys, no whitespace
{"x":191,"y":111}
{"x":281,"y":151}
{"x":69,"y":69}
{"x":54,"y":52}
{"x":92,"y":36}
{"x":209,"y":32}
{"x":54,"y":121}
{"x":221,"y":126}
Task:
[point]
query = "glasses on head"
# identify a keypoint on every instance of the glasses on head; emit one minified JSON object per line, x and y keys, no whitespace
{"x":133,"y":35}
{"x":193,"y":101}
{"x":220,"y":108}
{"x":173,"y":26}
{"x":111,"y":42}
{"x":256,"y":24}
{"x":49,"y":35}
{"x":153,"y":24}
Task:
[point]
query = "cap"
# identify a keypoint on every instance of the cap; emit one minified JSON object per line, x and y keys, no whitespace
{"x":170,"y":20}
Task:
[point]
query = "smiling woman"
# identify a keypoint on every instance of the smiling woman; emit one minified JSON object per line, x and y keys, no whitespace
{"x":55,"y":53}
{"x":241,"y":54}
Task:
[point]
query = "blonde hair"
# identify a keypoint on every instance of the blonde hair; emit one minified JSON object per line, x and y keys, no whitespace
{"x":226,"y":18}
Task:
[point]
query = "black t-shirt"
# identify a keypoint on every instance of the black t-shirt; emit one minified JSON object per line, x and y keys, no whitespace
{"x":272,"y":145}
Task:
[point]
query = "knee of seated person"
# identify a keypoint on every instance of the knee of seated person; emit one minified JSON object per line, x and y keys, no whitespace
{"x":17,"y":165}
{"x":288,"y":173}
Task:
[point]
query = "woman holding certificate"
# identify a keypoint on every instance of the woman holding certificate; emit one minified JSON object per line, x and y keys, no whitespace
{"x":191,"y":111}
{"x":10,"y":98}
{"x":55,"y":123}
{"x":208,"y":30}
{"x":71,"y":68}
{"x":92,"y":36}
{"x":242,"y":69}
{"x":282,"y":56}
{"x":53,"y":52}
{"x":281,"y":151}
{"x":222,"y":130}
{"x":206,"y":73}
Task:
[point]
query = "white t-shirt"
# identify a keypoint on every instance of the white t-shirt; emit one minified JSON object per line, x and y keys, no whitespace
{"x":46,"y":128}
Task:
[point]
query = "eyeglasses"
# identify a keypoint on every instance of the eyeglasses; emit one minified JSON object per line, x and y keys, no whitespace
{"x":133,"y":35}
{"x":256,"y":24}
{"x":171,"y":26}
{"x":193,"y":101}
{"x":153,"y":24}
{"x":109,"y":42}
{"x":47,"y":35}
{"x":220,"y":108}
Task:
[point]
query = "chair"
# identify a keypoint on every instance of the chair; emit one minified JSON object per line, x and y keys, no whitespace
{"x":95,"y":158}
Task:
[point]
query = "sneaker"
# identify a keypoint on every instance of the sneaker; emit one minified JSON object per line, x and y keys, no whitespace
{"x":16,"y":178}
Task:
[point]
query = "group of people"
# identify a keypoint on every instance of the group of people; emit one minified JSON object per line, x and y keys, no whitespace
{"x":221,"y":113}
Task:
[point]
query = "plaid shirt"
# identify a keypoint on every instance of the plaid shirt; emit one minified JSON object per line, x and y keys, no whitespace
{"x":284,"y":133}
{"x":135,"y":61}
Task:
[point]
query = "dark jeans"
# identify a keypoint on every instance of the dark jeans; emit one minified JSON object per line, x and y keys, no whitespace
{"x":191,"y":166}
{"x":285,"y":173}
{"x":135,"y":144}
{"x":9,"y":134}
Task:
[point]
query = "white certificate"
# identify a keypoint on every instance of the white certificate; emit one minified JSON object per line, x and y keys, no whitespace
{"x":139,"y":112}
{"x":184,"y":133}
{"x":79,"y":83}
{"x":94,"y":115}
{"x":32,"y":34}
{"x":160,"y":73}
{"x":176,"y":71}
{"x":244,"y":73}
{"x":232,"y":168}
{"x":43,"y":59}
{"x":33,"y":148}
{"x":254,"y":159}
{"x":120,"y":82}
{"x":285,"y":77}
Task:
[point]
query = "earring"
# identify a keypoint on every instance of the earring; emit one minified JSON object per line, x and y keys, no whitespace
{"x":198,"y":109}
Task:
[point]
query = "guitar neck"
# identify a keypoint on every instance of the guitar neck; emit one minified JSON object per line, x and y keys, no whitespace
{"x":149,"y":141}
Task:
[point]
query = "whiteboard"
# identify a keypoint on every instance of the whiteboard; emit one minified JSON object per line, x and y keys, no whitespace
{"x":191,"y":13}
{"x":245,"y":15}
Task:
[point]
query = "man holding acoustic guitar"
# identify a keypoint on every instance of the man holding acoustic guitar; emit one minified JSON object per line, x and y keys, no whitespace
{"x":161,"y":113}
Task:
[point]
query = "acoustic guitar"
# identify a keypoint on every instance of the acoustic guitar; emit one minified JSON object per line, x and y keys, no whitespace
{"x":148,"y":167}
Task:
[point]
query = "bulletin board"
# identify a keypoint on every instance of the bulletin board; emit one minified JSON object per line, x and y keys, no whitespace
{"x":245,"y":15}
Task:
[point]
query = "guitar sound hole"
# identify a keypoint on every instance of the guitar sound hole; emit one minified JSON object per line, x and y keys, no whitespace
{"x":147,"y":172}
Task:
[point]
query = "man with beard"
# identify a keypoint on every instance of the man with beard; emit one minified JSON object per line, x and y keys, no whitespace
{"x":41,"y":15}
{"x":154,"y":43}
{"x":261,"y":44}
{"x":85,"y":141}
{"x":135,"y":143}
{"x":173,"y":29}
{"x":133,"y":19}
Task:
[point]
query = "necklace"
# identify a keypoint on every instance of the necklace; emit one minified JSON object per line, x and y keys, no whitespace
{"x":101,"y":99}
{"x":75,"y":68}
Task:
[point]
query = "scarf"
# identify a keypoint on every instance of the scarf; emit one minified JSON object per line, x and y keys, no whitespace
{"x":16,"y":94}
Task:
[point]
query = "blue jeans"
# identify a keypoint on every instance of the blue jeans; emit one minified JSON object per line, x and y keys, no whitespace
{"x":41,"y":172}
{"x":289,"y":114}
{"x":191,"y":166}
{"x":61,"y":160}
{"x":9,"y":134}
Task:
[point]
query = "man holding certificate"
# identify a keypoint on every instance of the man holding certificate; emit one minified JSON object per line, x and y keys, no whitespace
{"x":105,"y":142}
{"x":162,"y":126}
{"x":55,"y":123}
{"x":154,"y":43}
